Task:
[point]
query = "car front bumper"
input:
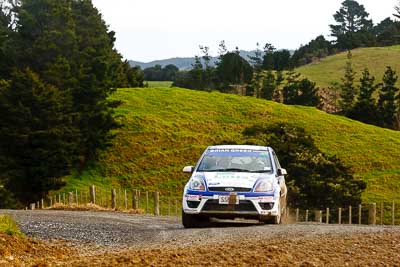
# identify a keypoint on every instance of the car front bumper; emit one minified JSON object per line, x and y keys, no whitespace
{"x":251,"y":205}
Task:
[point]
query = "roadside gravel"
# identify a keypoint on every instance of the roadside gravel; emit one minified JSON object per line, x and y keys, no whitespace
{"x":111,"y":238}
{"x":113,"y":229}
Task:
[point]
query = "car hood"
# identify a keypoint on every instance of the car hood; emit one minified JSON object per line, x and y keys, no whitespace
{"x":233,"y":179}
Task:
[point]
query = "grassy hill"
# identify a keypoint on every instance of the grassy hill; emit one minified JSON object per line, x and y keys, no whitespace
{"x":168,"y":128}
{"x":331,"y":68}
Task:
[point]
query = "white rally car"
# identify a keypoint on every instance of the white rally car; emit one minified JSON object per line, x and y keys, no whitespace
{"x":235,"y":181}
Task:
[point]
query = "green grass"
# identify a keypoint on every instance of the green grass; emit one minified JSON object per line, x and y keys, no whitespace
{"x":155,"y":84}
{"x":332,"y":68}
{"x":168,"y":128}
{"x":8,"y":226}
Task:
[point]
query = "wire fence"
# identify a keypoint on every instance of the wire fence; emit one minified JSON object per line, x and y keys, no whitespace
{"x":137,"y":201}
{"x":168,"y":204}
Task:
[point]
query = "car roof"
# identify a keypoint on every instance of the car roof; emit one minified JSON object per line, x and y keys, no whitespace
{"x":245,"y":147}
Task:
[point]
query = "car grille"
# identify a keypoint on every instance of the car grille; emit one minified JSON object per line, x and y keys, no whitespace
{"x":213,"y":205}
{"x":223,"y":189}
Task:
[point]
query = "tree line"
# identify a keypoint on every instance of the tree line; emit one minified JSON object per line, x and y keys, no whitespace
{"x":269,"y":72}
{"x":58,"y":66}
{"x":371,"y":102}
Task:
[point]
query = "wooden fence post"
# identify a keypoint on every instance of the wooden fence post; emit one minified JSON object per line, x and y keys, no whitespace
{"x":101,"y":197}
{"x":134,"y":199}
{"x":169,"y":206}
{"x":327,"y":215}
{"x":382,"y":209}
{"x":113,"y":198}
{"x":70,"y":199}
{"x":125,"y":200}
{"x":138,"y":199}
{"x":359,"y":213}
{"x":32,"y":206}
{"x":42,"y":203}
{"x":350,"y":221}
{"x":59,"y":198}
{"x":156,"y":203}
{"x":76,"y":197}
{"x":64,"y":199}
{"x":297,"y":215}
{"x":306,"y":215}
{"x":147,"y":202}
{"x":92,"y":194}
{"x":51,"y":201}
{"x":340,"y":216}
{"x":393,"y":210}
{"x":372,"y":214}
{"x":318,"y":216}
{"x":176,"y":207}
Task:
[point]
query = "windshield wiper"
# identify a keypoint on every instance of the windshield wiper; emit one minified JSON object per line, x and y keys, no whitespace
{"x":231,"y":170}
{"x":262,"y":171}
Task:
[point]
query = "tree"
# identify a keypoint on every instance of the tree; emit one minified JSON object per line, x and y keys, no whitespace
{"x":388,"y":96}
{"x":348,"y":90}
{"x":7,"y":51}
{"x":96,"y":60}
{"x":314,"y":50}
{"x":397,"y":9}
{"x":352,"y":28}
{"x":282,"y":60}
{"x":269,"y":86}
{"x":233,"y":69}
{"x":300,"y":91}
{"x":365,"y":109}
{"x":387,"y":32}
{"x":268,"y":60}
{"x":37,"y":136}
{"x":314,"y":179}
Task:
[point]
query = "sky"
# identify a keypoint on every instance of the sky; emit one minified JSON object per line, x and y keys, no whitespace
{"x":148,"y":30}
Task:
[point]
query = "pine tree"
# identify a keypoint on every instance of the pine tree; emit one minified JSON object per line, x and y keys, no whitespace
{"x":352,"y":28}
{"x":348,"y":90}
{"x":300,"y":91}
{"x":37,"y":136}
{"x":96,"y":60}
{"x":365,"y":109}
{"x":388,"y":96}
{"x":269,"y":86}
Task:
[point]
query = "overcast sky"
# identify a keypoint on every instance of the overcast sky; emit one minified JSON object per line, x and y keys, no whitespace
{"x":147,"y":30}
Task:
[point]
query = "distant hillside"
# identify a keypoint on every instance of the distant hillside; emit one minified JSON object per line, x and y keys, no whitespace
{"x":183,"y":63}
{"x":165,"y":129}
{"x":332,"y":68}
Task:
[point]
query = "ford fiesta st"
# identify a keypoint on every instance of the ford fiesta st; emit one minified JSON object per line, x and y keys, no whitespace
{"x":234,"y":181}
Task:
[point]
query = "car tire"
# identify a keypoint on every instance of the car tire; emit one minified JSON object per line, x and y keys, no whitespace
{"x":193,"y":220}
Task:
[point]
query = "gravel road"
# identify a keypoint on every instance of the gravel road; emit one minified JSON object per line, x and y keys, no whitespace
{"x":119,"y":229}
{"x":124,"y":239}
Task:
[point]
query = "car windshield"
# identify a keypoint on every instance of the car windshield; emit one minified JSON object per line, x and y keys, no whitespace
{"x":237,"y":160}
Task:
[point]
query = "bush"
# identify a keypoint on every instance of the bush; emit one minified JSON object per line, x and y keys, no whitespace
{"x":314,"y":179}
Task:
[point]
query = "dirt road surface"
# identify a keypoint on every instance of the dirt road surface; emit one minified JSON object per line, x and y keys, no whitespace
{"x":114,"y":239}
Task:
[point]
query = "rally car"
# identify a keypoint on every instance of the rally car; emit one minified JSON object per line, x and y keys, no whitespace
{"x":234,"y":181}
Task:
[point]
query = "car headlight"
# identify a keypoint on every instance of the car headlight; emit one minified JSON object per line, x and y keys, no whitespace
{"x":264,"y":186}
{"x":197,"y":184}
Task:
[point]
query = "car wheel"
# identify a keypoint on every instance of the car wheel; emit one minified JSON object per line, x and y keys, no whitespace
{"x":193,"y":220}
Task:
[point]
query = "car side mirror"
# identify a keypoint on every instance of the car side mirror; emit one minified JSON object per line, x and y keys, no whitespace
{"x":188,"y":169}
{"x":282,"y":172}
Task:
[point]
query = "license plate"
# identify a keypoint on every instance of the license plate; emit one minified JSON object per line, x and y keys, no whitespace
{"x":232,"y":199}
